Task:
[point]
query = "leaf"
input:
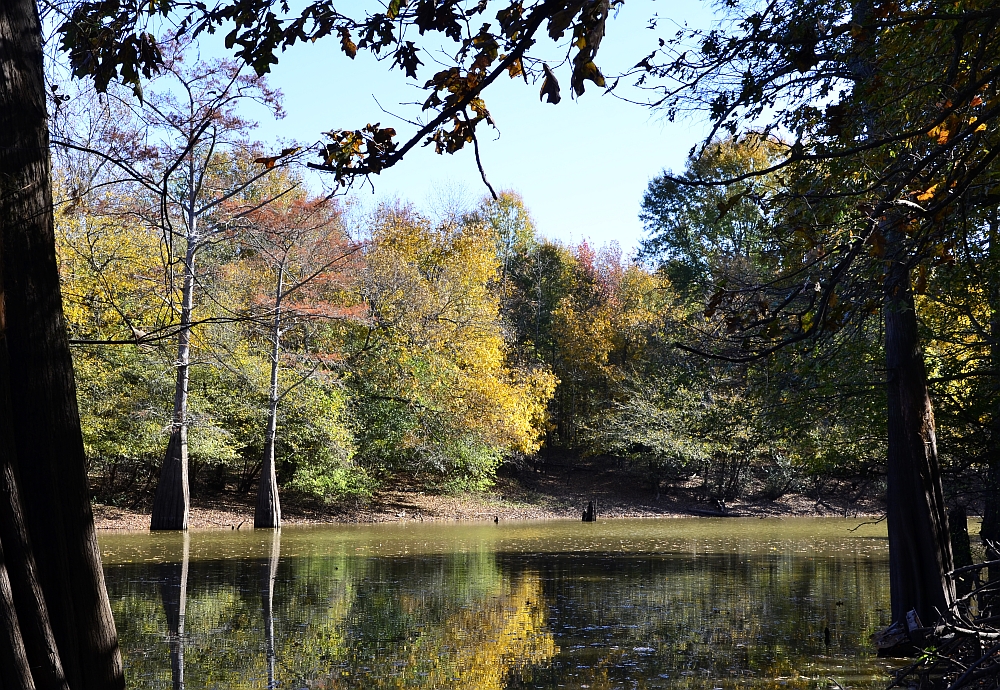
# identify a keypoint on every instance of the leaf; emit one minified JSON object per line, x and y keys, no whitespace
{"x":515,"y":68}
{"x":877,"y":242}
{"x":713,"y":303}
{"x":550,"y":86}
{"x":727,"y":205}
{"x":590,"y":71}
{"x":346,"y":44}
{"x":406,"y":57}
{"x":927,"y":193}
{"x":394,"y":7}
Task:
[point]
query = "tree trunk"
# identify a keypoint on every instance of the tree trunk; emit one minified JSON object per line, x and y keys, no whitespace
{"x":990,"y":529}
{"x":919,"y":543}
{"x":267,"y":514}
{"x":44,"y":424}
{"x":15,"y":670}
{"x":24,"y":616}
{"x":173,"y":493}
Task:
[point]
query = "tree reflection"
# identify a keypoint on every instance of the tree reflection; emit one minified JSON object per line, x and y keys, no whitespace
{"x":268,"y":573}
{"x":490,"y":620}
{"x":173,"y":578}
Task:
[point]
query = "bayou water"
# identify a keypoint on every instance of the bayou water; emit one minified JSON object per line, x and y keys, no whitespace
{"x":669,"y":603}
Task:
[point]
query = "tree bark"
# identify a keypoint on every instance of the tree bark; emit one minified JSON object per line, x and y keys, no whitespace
{"x":15,"y":671}
{"x":267,"y":514}
{"x":989,"y":531}
{"x":919,"y":543}
{"x":44,"y":425}
{"x":24,"y":615}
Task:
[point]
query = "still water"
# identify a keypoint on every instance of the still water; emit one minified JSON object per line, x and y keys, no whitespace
{"x":679,"y":603}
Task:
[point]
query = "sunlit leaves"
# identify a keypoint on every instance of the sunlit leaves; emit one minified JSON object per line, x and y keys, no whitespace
{"x":440,"y":389}
{"x":106,"y":40}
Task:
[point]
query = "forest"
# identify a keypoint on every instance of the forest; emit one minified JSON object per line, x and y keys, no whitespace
{"x":345,"y":349}
{"x":815,"y":301}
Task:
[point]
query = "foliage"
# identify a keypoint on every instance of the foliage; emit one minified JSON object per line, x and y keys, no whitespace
{"x":429,"y":377}
{"x":109,"y":41}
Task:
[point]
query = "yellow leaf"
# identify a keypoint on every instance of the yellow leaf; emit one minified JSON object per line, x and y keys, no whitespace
{"x":514,"y":69}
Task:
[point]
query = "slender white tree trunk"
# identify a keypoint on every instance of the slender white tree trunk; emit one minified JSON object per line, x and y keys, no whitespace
{"x":267,"y":514}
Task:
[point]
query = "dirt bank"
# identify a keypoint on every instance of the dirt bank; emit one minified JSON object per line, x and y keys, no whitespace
{"x":551,"y":491}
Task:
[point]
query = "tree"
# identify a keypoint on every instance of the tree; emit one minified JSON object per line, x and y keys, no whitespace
{"x":57,"y":626}
{"x":702,"y":234}
{"x":188,"y":161}
{"x":870,"y":184}
{"x":44,"y":421}
{"x":301,"y":245}
{"x":432,"y":386}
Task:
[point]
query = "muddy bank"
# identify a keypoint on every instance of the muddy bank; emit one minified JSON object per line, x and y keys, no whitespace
{"x":548,"y":492}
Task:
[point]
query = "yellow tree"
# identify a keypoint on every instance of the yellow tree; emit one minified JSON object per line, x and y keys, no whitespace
{"x":431,"y":362}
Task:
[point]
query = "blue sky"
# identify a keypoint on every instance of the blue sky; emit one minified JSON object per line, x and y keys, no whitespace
{"x":581,"y":166}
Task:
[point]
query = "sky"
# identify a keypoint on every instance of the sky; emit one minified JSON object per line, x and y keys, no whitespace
{"x":581,"y":166}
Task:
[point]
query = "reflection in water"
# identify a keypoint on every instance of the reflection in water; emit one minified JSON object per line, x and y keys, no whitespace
{"x":173,"y":591}
{"x":623,"y":605}
{"x":268,"y":572}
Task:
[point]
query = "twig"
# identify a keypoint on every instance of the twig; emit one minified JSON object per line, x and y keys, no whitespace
{"x":870,"y":522}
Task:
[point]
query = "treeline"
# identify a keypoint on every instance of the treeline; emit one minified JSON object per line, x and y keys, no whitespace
{"x":435,"y":349}
{"x":227,"y":320}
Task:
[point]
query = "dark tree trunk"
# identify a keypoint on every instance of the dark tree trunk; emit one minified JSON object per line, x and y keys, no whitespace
{"x":990,"y":529}
{"x":170,"y":507}
{"x":15,"y":670}
{"x":24,"y":616}
{"x":919,"y":543}
{"x":49,"y":467}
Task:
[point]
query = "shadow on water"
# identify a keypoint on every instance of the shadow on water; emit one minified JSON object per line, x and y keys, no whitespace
{"x":519,"y":610}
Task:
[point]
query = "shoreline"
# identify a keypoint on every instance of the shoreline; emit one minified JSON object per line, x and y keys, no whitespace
{"x":539,"y":498}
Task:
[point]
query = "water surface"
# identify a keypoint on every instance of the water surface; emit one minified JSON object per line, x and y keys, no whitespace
{"x":673,"y":603}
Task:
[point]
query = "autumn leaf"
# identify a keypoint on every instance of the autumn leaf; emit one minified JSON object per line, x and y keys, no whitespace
{"x":346,"y":44}
{"x":394,"y":7}
{"x":550,"y":87}
{"x":927,"y":194}
{"x":515,"y":68}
